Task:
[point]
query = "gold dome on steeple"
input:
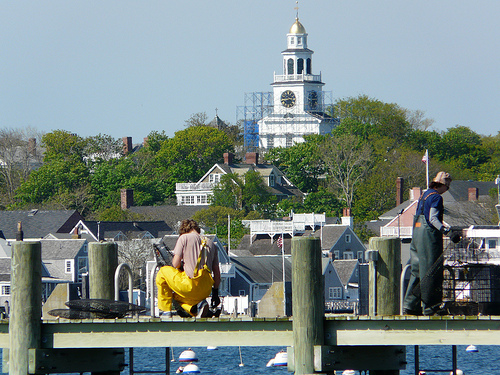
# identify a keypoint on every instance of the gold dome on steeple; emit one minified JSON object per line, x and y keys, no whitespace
{"x":297,"y":28}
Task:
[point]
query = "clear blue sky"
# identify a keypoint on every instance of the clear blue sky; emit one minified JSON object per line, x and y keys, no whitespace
{"x":125,"y":68}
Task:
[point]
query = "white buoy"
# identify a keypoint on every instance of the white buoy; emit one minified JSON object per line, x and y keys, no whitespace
{"x":281,"y":359}
{"x":459,"y":372}
{"x":471,"y":349}
{"x":188,"y":356}
{"x":191,"y":369}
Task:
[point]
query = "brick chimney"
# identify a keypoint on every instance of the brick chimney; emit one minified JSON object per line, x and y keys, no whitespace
{"x":252,"y":158}
{"x":415,"y":193}
{"x":228,"y":158}
{"x":400,"y":181}
{"x":346,"y":217}
{"x":145,"y":142}
{"x":127,"y":198}
{"x":473,"y":194}
{"x":32,"y":146}
{"x":127,"y":145}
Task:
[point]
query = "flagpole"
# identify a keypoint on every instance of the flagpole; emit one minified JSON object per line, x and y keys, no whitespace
{"x":283,"y":263}
{"x":427,"y":167}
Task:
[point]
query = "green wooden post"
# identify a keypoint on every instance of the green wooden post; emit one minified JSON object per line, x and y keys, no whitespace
{"x":307,"y":302}
{"x":103,"y":261}
{"x":26,"y":304}
{"x":388,"y":271}
{"x":385,"y":272}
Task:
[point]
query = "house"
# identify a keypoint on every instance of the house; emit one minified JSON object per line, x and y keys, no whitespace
{"x":64,"y":261}
{"x":36,"y":224}
{"x":342,"y":282}
{"x":256,"y":275}
{"x":340,"y":242}
{"x":121,"y":230}
{"x":198,"y":193}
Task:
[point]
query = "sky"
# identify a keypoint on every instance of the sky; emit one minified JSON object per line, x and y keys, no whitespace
{"x":129,"y":67}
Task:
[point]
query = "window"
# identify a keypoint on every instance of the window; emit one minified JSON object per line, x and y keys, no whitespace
{"x":270,"y":141}
{"x":347,"y":238}
{"x":300,"y":66}
{"x":336,"y":254}
{"x":335,"y":292}
{"x":492,"y":244}
{"x":292,"y":40}
{"x":69,"y":266}
{"x":290,"y":66}
{"x":308,"y":66}
{"x":360,"y":256}
{"x":348,"y":255}
{"x":214,"y":177}
{"x":241,"y":292}
{"x":299,"y":40}
{"x":272,"y":179}
{"x":201,"y":199}
{"x":187,"y":200}
{"x":82,"y":265}
{"x":288,"y":140}
{"x":5,"y":290}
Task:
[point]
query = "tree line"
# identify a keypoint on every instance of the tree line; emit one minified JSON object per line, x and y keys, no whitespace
{"x":356,"y":166}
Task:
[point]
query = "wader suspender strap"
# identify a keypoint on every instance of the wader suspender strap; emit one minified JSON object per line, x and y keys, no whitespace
{"x":420,"y":201}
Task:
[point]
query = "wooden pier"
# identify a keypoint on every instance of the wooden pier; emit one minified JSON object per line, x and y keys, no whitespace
{"x":316,"y":343}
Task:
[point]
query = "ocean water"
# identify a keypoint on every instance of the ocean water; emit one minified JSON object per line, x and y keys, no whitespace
{"x":226,"y":360}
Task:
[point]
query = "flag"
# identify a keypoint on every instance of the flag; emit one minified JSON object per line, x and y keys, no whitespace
{"x":280,"y":242}
{"x":425,"y":158}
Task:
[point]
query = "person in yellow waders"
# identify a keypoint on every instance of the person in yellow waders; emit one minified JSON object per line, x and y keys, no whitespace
{"x":193,"y":276}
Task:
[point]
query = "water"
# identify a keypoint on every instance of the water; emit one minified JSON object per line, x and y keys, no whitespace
{"x":226,"y":360}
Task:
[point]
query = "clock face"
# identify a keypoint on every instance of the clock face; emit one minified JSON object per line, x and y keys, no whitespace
{"x":312,"y":99}
{"x":288,"y":99}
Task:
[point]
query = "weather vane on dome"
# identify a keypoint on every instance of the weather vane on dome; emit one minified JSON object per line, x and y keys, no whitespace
{"x":297,"y":9}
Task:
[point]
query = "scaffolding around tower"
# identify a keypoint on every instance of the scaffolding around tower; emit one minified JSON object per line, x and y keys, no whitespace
{"x":259,"y":105}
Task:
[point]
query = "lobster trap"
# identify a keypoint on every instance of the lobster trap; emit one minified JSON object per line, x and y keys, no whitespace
{"x":471,"y":278}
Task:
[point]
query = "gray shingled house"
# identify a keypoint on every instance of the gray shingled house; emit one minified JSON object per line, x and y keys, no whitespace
{"x":121,"y":230}
{"x":340,"y":242}
{"x":36,"y":224}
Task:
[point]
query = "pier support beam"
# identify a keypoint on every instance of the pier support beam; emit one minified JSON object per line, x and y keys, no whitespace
{"x":307,"y":302}
{"x":103,"y":261}
{"x":26,"y":304}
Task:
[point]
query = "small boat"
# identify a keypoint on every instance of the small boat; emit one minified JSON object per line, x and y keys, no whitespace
{"x":349,"y":372}
{"x":191,"y":369}
{"x":211,"y":348}
{"x":471,"y":349}
{"x":281,"y":359}
{"x":188,"y":356}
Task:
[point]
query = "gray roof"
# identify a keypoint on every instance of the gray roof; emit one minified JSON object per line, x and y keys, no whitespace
{"x":38,"y":223}
{"x":172,"y":215}
{"x":61,"y":249}
{"x":459,"y":190}
{"x":4,"y":269}
{"x":345,"y":268}
{"x":263,"y":269}
{"x":331,"y":234}
{"x":133,"y":229}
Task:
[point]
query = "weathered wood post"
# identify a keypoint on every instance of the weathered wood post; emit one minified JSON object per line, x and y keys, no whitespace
{"x":307,"y":302}
{"x":385,"y":274}
{"x":103,"y":261}
{"x":26,"y":304}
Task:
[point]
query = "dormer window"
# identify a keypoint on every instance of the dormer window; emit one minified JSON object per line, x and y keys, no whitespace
{"x":272,"y":180}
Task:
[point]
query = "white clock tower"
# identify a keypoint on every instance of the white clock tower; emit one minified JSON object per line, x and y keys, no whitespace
{"x":299,"y":107}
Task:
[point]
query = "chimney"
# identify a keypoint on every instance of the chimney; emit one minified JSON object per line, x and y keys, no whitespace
{"x":346,"y":217}
{"x":228,"y":158}
{"x":415,"y":194}
{"x":127,"y":145}
{"x":473,"y":194}
{"x":400,"y":181}
{"x":127,"y":198}
{"x":32,"y":146}
{"x":252,"y":158}
{"x":145,"y":142}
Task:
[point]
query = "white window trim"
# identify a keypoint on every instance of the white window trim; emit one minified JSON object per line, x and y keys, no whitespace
{"x":5,"y":290}
{"x":347,"y":238}
{"x":69,"y":263}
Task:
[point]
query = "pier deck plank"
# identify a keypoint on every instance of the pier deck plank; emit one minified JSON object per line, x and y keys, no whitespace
{"x":339,"y":330}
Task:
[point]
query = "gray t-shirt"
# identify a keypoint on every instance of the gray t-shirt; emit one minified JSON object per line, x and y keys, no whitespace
{"x":188,"y":247}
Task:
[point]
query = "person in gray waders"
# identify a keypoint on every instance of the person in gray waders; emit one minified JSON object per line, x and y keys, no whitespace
{"x":424,"y":293}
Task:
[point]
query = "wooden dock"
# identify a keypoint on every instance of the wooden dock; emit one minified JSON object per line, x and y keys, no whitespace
{"x":245,"y":331}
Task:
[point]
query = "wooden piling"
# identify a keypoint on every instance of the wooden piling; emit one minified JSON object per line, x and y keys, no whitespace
{"x":103,"y":261}
{"x":387,"y":268}
{"x":307,"y":302}
{"x":26,"y":304}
